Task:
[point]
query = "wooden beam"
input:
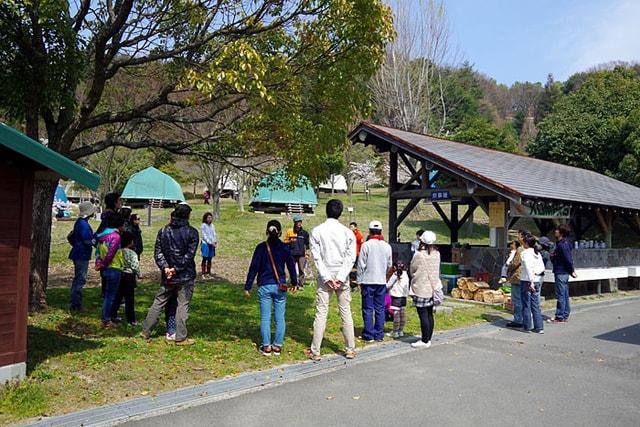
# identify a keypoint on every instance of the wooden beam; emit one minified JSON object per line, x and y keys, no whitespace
{"x":442,"y":214}
{"x":393,"y":203}
{"x":513,"y":222}
{"x":406,"y":211}
{"x":455,"y":224}
{"x":416,"y":176}
{"x":606,"y":223}
{"x":407,"y":163}
{"x":472,"y":207}
{"x":480,"y":202}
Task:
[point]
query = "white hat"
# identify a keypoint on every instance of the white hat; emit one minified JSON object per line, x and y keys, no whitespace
{"x":428,"y":237}
{"x":87,"y":209}
{"x":375,"y":225}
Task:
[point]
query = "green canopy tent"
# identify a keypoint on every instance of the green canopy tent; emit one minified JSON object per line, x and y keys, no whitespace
{"x":274,"y":194}
{"x":151,"y":185}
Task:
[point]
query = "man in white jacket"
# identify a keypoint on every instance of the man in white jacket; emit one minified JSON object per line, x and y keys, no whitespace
{"x":373,"y":264}
{"x":333,"y":247}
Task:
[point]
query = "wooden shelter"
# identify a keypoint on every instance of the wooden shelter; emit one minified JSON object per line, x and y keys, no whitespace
{"x":21,"y":161}
{"x":507,"y":187}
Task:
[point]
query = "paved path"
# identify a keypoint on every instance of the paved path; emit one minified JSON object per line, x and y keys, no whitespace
{"x":584,"y":373}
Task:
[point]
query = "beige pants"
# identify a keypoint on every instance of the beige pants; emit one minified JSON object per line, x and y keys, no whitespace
{"x":323,"y":295}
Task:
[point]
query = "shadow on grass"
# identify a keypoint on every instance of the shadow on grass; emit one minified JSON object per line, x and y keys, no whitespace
{"x":46,"y":343}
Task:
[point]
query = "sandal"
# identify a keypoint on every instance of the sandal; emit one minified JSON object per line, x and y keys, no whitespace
{"x":350,"y":354}
{"x":312,"y":356}
{"x":265,"y":350}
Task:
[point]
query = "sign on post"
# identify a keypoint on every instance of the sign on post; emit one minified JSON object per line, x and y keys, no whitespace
{"x":541,"y":210}
{"x":497,"y":215}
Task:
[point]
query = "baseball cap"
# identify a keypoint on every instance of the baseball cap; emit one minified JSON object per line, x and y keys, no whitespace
{"x":375,"y":225}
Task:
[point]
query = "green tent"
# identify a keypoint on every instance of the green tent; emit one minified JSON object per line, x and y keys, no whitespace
{"x":152,"y":184}
{"x":274,"y":193}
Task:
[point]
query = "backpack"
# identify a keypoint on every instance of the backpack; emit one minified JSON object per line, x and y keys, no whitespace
{"x":71,"y":236}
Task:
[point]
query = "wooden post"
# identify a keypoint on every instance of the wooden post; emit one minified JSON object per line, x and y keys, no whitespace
{"x":606,"y":223}
{"x":454,"y":222}
{"x":393,"y":203}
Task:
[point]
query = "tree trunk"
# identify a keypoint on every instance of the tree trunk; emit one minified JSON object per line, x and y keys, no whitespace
{"x":215,"y":197}
{"x":241,"y":195}
{"x":332,"y":184}
{"x":44,"y":189}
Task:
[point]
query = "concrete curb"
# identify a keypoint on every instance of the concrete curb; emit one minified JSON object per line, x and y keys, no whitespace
{"x":225,"y":388}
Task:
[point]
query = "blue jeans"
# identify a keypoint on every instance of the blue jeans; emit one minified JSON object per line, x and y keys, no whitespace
{"x":170,"y":314}
{"x":562,"y":295}
{"x":531,"y":306}
{"x":111,"y":278}
{"x":268,"y":296}
{"x":516,"y":300}
{"x":373,"y":303}
{"x":80,"y":267}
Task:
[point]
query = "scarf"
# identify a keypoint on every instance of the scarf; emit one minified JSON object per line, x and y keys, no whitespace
{"x":375,"y":237}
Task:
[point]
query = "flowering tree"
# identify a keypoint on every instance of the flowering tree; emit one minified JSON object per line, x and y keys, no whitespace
{"x":364,"y":172}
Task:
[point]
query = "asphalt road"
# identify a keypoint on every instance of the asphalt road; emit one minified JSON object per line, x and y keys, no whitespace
{"x":584,"y":373}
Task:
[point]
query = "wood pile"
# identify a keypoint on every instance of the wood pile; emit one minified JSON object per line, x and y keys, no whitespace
{"x":471,"y":289}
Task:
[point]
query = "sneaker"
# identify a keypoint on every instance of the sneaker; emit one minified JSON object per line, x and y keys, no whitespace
{"x":538,"y":331}
{"x":350,"y":354}
{"x":116,"y":319}
{"x":554,"y":320}
{"x":365,"y":339}
{"x":188,"y":341}
{"x":276,"y":350}
{"x":107,"y":324}
{"x":311,"y":355}
{"x":170,"y":337}
{"x":144,"y":335}
{"x":400,"y":334}
{"x":421,"y":344}
{"x":205,"y":277}
{"x":514,"y":325}
{"x":393,"y":334}
{"x":134,"y":324}
{"x":265,"y":350}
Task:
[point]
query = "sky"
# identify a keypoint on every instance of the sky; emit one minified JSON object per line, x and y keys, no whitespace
{"x":518,"y":40}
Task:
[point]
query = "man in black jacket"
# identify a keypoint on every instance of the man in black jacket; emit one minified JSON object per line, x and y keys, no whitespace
{"x":175,"y":251}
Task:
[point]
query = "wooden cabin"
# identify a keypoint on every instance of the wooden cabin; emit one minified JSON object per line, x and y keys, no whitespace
{"x":21,"y":160}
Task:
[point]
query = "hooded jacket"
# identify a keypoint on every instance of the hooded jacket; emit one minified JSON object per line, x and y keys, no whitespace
{"x":109,"y":254}
{"x":176,"y":246}
{"x":532,"y":266}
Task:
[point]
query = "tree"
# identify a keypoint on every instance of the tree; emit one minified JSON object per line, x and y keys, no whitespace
{"x":595,"y":127}
{"x":296,"y":68}
{"x":366,"y":173}
{"x":408,"y":91}
{"x":479,"y":131}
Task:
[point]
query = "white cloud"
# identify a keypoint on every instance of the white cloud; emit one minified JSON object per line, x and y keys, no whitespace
{"x":608,"y":32}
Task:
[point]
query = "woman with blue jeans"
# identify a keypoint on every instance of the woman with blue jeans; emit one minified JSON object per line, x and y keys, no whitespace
{"x":530,"y":284}
{"x":268,"y":264}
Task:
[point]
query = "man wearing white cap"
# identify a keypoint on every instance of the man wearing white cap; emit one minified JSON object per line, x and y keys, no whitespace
{"x":82,"y":241}
{"x":373,"y":264}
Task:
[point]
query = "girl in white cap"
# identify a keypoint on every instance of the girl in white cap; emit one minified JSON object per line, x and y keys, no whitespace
{"x":425,"y":280}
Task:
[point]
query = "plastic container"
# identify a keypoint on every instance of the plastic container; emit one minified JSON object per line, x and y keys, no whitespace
{"x":449,"y":282}
{"x":449,"y":268}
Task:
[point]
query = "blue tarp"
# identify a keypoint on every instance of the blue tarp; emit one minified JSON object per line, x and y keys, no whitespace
{"x":60,"y":195}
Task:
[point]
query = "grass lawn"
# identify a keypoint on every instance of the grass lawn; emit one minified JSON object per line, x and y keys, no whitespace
{"x":73,"y":363}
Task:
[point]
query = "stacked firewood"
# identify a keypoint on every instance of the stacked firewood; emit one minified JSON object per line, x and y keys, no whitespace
{"x":471,"y":289}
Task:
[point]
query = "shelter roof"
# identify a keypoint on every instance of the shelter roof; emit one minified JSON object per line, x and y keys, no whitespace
{"x":515,"y":176}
